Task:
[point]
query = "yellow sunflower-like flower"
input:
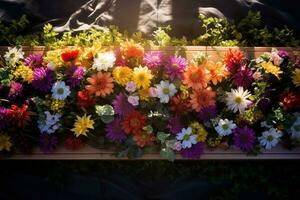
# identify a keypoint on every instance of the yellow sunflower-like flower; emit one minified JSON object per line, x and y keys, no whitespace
{"x":199,"y":130}
{"x":24,"y":72}
{"x":269,"y":67}
{"x":82,"y":124}
{"x":122,"y":75}
{"x":5,"y":142}
{"x":142,"y":77}
{"x":296,"y":77}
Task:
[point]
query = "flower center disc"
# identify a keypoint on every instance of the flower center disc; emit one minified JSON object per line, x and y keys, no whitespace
{"x":60,"y":91}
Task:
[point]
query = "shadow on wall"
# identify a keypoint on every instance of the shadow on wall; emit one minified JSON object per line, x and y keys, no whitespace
{"x":145,"y":15}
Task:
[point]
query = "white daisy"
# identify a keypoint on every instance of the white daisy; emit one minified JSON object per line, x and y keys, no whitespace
{"x":225,"y":127}
{"x":187,"y":138}
{"x":60,"y":90}
{"x":165,"y":90}
{"x":237,"y":99}
{"x":269,"y":138}
{"x":104,"y":61}
{"x":295,"y":129}
{"x":13,"y":55}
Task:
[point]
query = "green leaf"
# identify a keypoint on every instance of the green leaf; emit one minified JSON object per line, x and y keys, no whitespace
{"x":168,"y":154}
{"x":161,"y":136}
{"x":107,"y":118}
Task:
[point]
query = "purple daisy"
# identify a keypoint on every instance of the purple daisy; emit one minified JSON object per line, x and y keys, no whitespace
{"x":121,"y":105}
{"x":4,"y":117}
{"x":174,"y":124}
{"x":244,"y":138}
{"x":15,"y":90}
{"x":207,"y":113}
{"x":34,"y":60}
{"x":194,"y":152}
{"x":284,"y":54}
{"x":175,"y":67}
{"x":47,"y":143}
{"x":243,"y":77}
{"x":114,"y":131}
{"x":42,"y":79}
{"x":153,"y":59}
{"x":75,"y":75}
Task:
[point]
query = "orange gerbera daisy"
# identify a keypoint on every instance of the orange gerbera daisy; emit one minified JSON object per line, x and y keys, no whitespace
{"x":132,"y":50}
{"x":144,"y":139}
{"x":217,"y":71}
{"x":101,"y":84}
{"x":195,"y":77}
{"x":179,"y":104}
{"x":202,"y":98}
{"x":233,"y":59}
{"x":134,"y":123}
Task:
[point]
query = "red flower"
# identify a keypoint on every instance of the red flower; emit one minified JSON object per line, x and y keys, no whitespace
{"x":20,"y":116}
{"x":73,"y":143}
{"x":85,"y":100}
{"x":134,"y":123}
{"x":233,"y":60}
{"x":179,"y":105}
{"x":144,"y":139}
{"x":290,"y":100}
{"x":69,"y":55}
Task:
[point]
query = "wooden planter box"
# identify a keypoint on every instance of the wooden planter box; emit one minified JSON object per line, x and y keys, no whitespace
{"x":216,"y":53}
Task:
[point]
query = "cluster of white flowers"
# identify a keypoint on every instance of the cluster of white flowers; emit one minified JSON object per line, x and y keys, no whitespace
{"x":13,"y":55}
{"x":50,"y":124}
{"x":186,"y":138}
{"x":225,"y":127}
{"x":237,"y":99}
{"x":270,"y":137}
{"x":165,"y":90}
{"x":60,"y":90}
{"x":104,"y":61}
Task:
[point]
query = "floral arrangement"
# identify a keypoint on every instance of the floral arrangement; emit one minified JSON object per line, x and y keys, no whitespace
{"x":137,"y":101}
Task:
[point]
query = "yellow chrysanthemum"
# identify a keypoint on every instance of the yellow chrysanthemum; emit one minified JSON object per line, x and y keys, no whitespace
{"x":82,"y":124}
{"x":24,"y":72}
{"x":57,"y":105}
{"x":142,"y":77}
{"x":5,"y":142}
{"x":296,"y":77}
{"x":199,"y":130}
{"x":144,"y":94}
{"x":269,"y":67}
{"x":122,"y":75}
{"x":54,"y":57}
{"x":184,"y":92}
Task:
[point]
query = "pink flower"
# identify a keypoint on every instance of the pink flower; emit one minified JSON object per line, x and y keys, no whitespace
{"x":276,"y":59}
{"x":257,"y":76}
{"x":130,"y":86}
{"x":133,"y":100}
{"x":177,"y":146}
{"x":153,"y":92}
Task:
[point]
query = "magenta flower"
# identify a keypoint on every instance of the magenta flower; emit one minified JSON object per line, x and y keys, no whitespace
{"x":42,"y":79}
{"x":74,"y":75}
{"x":175,"y":67}
{"x":243,"y":77}
{"x":114,"y":131}
{"x":153,"y":59}
{"x":194,"y":152}
{"x":175,"y":125}
{"x":244,"y":138}
{"x":15,"y":90}
{"x":121,"y":105}
{"x":4,"y":117}
{"x":34,"y":60}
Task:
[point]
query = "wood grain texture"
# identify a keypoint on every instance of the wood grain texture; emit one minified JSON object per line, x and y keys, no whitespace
{"x":89,"y":153}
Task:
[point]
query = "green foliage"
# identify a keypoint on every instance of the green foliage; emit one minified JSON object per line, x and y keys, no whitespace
{"x":249,"y":31}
